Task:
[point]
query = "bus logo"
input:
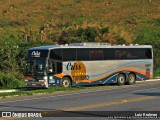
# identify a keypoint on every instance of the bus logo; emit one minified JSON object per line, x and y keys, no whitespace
{"x":35,"y":54}
{"x":78,"y":71}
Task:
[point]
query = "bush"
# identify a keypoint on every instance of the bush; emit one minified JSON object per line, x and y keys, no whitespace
{"x":150,"y":35}
{"x":90,"y":33}
{"x":10,"y":81}
{"x":157,"y":72}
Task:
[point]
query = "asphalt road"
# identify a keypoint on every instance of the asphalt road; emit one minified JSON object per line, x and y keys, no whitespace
{"x":88,"y":104}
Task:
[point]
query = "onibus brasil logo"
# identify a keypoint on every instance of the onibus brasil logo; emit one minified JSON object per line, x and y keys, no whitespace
{"x":21,"y":114}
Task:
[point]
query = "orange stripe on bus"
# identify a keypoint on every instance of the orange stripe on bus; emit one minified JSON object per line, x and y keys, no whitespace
{"x":59,"y":75}
{"x":119,"y":70}
{"x":122,"y":69}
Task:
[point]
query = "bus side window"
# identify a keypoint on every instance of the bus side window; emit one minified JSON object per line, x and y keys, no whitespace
{"x":83,"y":54}
{"x":56,"y":54}
{"x":109,"y":53}
{"x":120,"y":54}
{"x":51,"y":67}
{"x":69,"y":54}
{"x":59,"y":67}
{"x":96,"y":54}
{"x":148,"y":53}
{"x":54,"y":67}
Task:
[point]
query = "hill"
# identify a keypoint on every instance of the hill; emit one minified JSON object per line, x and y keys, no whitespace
{"x":39,"y":20}
{"x":65,"y":21}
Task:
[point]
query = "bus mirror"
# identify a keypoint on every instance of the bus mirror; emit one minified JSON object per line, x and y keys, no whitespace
{"x":24,"y":68}
{"x":50,"y":70}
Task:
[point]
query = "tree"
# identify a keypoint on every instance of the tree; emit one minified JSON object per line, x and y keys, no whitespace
{"x":8,"y":59}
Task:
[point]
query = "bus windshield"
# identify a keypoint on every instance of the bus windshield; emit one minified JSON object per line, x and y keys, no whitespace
{"x":36,"y":67}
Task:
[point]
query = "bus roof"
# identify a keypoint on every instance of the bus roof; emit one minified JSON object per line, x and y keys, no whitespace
{"x":88,"y":46}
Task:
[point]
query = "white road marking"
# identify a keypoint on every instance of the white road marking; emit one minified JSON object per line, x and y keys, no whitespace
{"x":4,"y":107}
{"x":147,"y":89}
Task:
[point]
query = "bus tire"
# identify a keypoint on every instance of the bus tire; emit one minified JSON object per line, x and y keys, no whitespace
{"x":121,"y":79}
{"x":131,"y":79}
{"x":66,"y":82}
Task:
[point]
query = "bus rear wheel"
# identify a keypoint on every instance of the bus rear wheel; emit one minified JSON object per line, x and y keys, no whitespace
{"x":66,"y":82}
{"x":121,"y":79}
{"x":131,"y":79}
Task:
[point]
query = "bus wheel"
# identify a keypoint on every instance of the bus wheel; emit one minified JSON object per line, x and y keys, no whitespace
{"x":121,"y":79}
{"x":66,"y":82}
{"x":131,"y":79}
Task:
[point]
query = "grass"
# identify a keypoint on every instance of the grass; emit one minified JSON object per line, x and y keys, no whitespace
{"x":50,"y":90}
{"x":38,"y":13}
{"x":37,"y":91}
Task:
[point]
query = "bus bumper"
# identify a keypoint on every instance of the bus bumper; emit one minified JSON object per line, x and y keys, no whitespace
{"x":36,"y":84}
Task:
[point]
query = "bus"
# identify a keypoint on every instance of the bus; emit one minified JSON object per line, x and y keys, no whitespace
{"x":79,"y":64}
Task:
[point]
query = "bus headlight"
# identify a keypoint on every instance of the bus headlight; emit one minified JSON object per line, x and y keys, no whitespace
{"x":26,"y":80}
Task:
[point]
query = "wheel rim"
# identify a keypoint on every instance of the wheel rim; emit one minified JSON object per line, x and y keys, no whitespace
{"x":66,"y":83}
{"x":121,"y":79}
{"x":131,"y":79}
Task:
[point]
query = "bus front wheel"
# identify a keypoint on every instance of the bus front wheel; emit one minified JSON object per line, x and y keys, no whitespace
{"x":131,"y":79}
{"x":66,"y":82}
{"x":121,"y":79}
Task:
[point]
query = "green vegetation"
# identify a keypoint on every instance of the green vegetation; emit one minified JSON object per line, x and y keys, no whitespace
{"x":12,"y":63}
{"x":53,"y":90}
{"x":24,"y":24}
{"x":39,"y":91}
{"x":10,"y":81}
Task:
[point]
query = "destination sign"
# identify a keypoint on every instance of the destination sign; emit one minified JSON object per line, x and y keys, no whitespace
{"x":37,"y":54}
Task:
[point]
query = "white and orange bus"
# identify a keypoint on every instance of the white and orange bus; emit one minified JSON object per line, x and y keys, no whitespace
{"x":88,"y":64}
